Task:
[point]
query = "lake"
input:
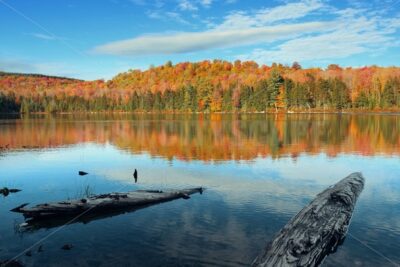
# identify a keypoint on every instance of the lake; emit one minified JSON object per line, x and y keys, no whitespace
{"x":259,"y":171}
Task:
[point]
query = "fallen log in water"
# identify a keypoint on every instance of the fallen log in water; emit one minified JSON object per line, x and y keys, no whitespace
{"x":104,"y":203}
{"x":37,"y":223}
{"x":317,"y":230}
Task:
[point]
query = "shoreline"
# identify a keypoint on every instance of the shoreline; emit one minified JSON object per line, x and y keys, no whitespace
{"x":288,"y":112}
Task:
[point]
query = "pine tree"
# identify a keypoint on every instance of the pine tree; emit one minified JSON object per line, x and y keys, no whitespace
{"x":289,"y":97}
{"x":389,"y":97}
{"x":227,"y":100}
{"x":274,"y":83}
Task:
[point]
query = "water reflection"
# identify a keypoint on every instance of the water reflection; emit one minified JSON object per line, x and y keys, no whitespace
{"x":211,"y":137}
{"x":259,"y":170}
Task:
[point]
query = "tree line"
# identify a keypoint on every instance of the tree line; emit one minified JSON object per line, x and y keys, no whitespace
{"x":225,"y":87}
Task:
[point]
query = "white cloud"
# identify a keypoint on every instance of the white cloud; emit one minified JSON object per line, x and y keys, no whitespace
{"x":206,"y":3}
{"x":185,"y":42}
{"x":167,"y":16}
{"x":187,"y":5}
{"x":154,"y":15}
{"x":352,"y":35}
{"x":238,"y":28}
{"x":289,"y":11}
{"x":193,"y":5}
{"x":267,"y":16}
{"x":306,"y":30}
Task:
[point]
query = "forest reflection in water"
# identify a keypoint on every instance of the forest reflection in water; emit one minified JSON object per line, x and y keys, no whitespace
{"x":211,"y":137}
{"x":259,"y":171}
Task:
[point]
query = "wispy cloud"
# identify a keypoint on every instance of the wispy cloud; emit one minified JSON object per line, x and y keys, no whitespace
{"x":353,"y":34}
{"x":43,"y":36}
{"x":185,"y":42}
{"x":299,"y":27}
{"x":187,"y":5}
{"x":266,"y":16}
{"x":193,"y":5}
{"x":238,"y":28}
{"x":206,"y":3}
{"x":166,"y":15}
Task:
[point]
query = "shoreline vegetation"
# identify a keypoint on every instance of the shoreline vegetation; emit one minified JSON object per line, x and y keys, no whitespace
{"x":209,"y":87}
{"x":270,"y":112}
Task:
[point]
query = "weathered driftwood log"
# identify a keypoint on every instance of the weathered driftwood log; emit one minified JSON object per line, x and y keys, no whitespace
{"x":317,"y":230}
{"x":103,"y":203}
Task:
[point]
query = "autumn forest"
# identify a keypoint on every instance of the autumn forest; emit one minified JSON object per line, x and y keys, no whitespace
{"x":209,"y":86}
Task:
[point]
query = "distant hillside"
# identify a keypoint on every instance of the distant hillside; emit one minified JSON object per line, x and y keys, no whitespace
{"x":2,"y":73}
{"x":211,"y":86}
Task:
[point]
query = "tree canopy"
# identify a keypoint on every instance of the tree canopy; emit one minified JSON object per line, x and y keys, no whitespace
{"x":208,"y":86}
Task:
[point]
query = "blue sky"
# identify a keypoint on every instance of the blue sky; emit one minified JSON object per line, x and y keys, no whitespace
{"x":95,"y":39}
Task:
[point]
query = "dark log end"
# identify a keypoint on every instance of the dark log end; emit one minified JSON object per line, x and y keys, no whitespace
{"x":18,"y":209}
{"x":6,"y":191}
{"x":15,"y":190}
{"x":185,"y":196}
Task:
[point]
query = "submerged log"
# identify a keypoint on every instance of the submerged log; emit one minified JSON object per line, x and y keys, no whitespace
{"x":104,"y":203}
{"x":317,"y":230}
{"x":6,"y":191}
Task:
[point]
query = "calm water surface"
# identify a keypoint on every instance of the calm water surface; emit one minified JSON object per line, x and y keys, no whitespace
{"x":259,"y":170}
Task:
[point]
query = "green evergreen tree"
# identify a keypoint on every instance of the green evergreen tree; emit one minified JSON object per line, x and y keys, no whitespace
{"x":289,"y":96}
{"x":340,"y":94}
{"x":389,"y":96}
{"x":275,"y":81}
{"x":361,"y":100}
{"x":227,"y":100}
